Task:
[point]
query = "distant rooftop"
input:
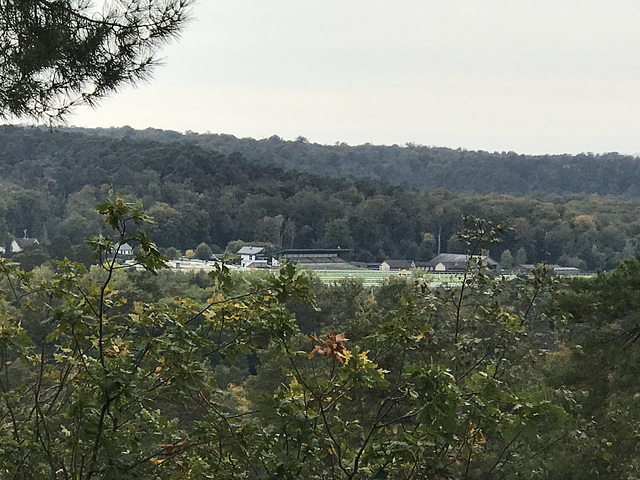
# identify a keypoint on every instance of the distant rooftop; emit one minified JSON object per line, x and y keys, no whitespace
{"x":249,"y":250}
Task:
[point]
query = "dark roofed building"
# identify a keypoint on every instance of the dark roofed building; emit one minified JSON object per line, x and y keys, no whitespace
{"x":456,"y":262}
{"x":315,"y":258}
{"x":19,"y":244}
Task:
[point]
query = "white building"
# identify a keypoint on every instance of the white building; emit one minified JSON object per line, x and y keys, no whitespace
{"x":251,"y":256}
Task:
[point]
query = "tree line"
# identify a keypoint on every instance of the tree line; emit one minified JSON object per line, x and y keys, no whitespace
{"x":425,"y":167}
{"x":53,"y":179}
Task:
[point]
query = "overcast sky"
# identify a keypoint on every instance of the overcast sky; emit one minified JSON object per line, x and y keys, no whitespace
{"x":530,"y":76}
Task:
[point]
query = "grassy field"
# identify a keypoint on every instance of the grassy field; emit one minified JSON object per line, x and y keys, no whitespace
{"x":373,"y":278}
{"x":376,"y":277}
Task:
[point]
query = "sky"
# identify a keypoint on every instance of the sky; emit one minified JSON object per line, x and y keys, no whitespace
{"x":530,"y":76}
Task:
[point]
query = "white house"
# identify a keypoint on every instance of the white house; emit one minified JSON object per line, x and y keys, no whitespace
{"x":125,"y":250}
{"x":251,"y":255}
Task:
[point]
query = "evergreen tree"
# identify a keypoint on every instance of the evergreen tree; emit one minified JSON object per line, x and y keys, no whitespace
{"x":55,"y":55}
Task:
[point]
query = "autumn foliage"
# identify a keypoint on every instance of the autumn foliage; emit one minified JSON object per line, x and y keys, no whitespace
{"x":331,"y":347}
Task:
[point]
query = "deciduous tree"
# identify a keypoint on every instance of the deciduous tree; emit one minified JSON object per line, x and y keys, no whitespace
{"x":95,"y":387}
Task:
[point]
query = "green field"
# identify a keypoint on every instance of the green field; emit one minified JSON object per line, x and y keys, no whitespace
{"x":376,"y":277}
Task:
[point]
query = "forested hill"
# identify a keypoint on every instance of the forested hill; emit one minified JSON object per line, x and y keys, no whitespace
{"x":52,"y":180}
{"x":424,"y":167}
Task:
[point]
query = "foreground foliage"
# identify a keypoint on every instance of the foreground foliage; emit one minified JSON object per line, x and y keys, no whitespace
{"x":93,"y":387}
{"x":404,"y":382}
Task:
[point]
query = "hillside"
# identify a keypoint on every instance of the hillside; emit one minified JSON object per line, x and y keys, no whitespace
{"x":52,"y":180}
{"x":425,"y":168}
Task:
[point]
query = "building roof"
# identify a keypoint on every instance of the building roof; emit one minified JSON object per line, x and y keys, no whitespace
{"x":249,"y":250}
{"x":458,"y":259}
{"x":311,"y":252}
{"x":448,"y":258}
{"x":122,"y":248}
{"x":560,"y":270}
{"x":23,"y":242}
{"x":318,"y":259}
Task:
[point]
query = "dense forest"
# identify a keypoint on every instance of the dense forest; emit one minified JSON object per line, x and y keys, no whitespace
{"x":52,"y":180}
{"x":423,"y":167}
